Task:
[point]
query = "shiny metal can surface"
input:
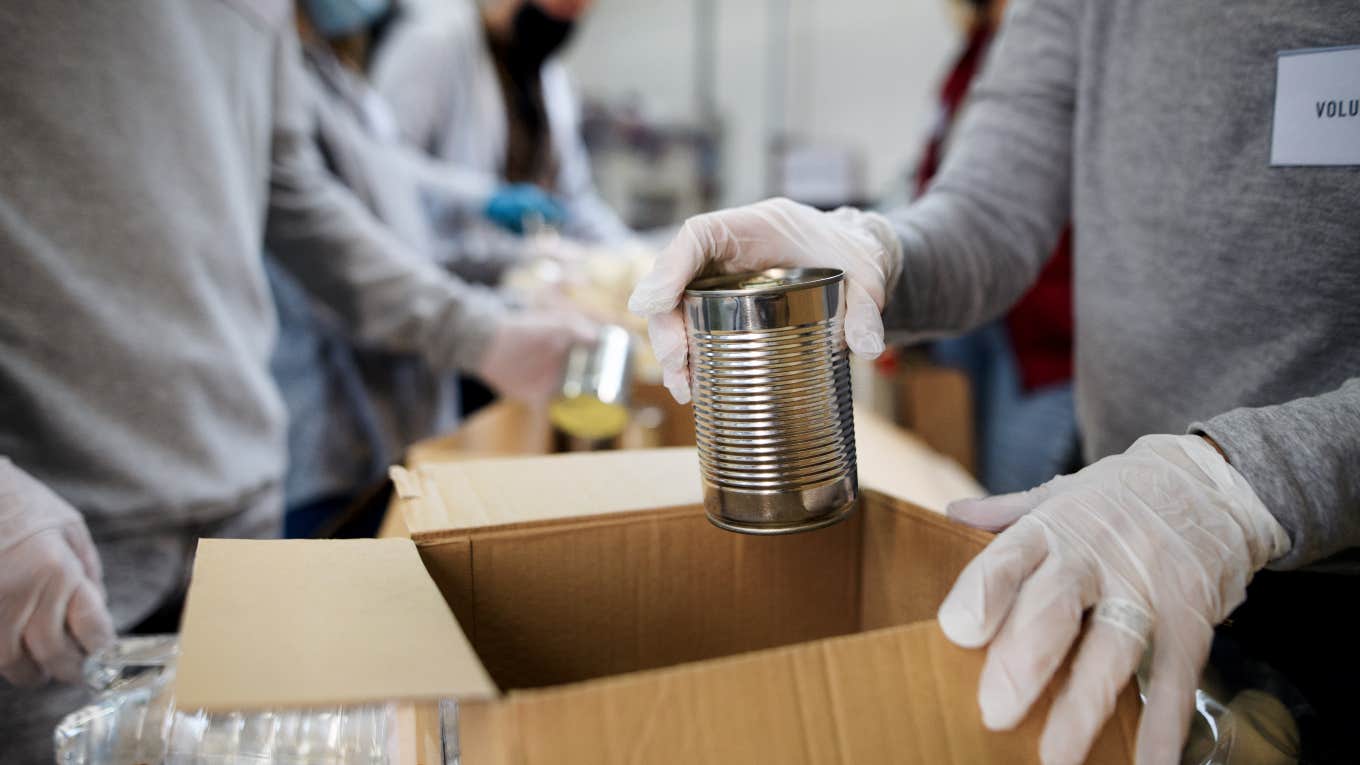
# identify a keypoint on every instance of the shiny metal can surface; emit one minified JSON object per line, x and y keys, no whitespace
{"x":592,"y":400}
{"x":772,"y":408}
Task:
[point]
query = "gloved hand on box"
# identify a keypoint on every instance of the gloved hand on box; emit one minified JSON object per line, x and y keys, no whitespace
{"x":1160,"y":542}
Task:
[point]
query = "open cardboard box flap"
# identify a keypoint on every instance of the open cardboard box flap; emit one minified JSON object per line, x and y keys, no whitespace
{"x":303,"y":623}
{"x":601,"y":619}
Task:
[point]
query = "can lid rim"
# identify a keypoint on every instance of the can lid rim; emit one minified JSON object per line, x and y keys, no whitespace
{"x":791,"y":279}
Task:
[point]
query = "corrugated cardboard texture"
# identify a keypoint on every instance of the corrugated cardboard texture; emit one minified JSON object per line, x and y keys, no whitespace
{"x":588,"y":600}
{"x":909,"y":560}
{"x":449,"y":564}
{"x":562,"y":602}
{"x":902,"y":695}
{"x":299,"y":623}
{"x":553,"y":602}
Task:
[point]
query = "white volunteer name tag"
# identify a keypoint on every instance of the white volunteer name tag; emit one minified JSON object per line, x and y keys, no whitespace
{"x":1317,"y":107}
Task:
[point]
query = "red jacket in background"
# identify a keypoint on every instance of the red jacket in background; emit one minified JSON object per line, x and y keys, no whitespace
{"x":1040,"y":324}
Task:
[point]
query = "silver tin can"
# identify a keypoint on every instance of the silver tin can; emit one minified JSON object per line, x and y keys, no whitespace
{"x":772,"y":408}
{"x":592,"y":401}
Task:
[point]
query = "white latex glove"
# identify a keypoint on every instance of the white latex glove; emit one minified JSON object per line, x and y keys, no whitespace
{"x":1164,"y":537}
{"x":525,"y":356}
{"x":770,"y":234}
{"x":52,"y":612}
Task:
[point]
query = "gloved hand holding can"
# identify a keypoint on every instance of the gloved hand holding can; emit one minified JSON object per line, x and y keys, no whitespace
{"x":776,"y":233}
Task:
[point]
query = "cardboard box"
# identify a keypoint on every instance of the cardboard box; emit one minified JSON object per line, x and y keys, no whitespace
{"x":601,"y":619}
{"x":936,"y":403}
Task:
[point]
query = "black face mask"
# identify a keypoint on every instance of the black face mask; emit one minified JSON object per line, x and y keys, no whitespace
{"x":536,"y":36}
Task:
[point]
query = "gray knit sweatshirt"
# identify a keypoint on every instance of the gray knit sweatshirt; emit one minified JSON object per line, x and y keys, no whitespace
{"x":1213,"y":292}
{"x":149,"y":151}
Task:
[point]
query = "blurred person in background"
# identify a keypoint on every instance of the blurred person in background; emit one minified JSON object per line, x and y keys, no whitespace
{"x":433,"y":201}
{"x":1019,"y":366}
{"x":483,"y":88}
{"x":353,"y":409}
{"x":152,"y":148}
{"x":1216,"y":363}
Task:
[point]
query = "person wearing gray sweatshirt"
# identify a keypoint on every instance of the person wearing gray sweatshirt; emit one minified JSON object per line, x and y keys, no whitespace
{"x":1207,"y":154}
{"x":150,"y":151}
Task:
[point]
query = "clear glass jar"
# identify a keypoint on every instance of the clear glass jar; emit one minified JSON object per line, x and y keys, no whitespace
{"x":133,"y":719}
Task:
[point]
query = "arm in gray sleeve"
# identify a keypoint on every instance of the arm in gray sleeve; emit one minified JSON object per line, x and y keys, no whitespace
{"x":389,"y":296}
{"x":481,"y":253}
{"x":980,"y":235}
{"x":454,"y":201}
{"x":447,"y":189}
{"x":1301,"y":459}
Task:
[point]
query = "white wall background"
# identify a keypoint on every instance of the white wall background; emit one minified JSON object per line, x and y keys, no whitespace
{"x":859,"y":73}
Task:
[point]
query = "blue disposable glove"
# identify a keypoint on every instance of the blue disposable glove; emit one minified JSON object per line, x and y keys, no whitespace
{"x":511,"y":204}
{"x":338,"y":18}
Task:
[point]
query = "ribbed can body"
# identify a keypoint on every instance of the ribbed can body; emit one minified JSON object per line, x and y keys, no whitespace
{"x":772,"y":404}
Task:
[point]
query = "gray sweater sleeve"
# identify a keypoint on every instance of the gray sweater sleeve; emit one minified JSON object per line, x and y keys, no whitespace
{"x":389,"y":296}
{"x":980,"y":235}
{"x":1303,"y":460}
{"x":455,"y":199}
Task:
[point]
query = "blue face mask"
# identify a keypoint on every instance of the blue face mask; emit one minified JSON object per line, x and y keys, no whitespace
{"x":338,"y":18}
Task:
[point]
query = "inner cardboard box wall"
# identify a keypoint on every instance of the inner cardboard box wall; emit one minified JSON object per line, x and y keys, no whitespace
{"x":560,"y":601}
